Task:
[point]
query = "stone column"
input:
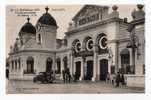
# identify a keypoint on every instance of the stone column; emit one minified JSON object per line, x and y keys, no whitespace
{"x":82,"y":69}
{"x":22,"y":61}
{"x":110,"y":59}
{"x":131,"y":60}
{"x":71,"y":63}
{"x":62,"y":67}
{"x":95,"y":67}
{"x":10,"y":69}
{"x":116,"y":56}
{"x":24,"y":65}
{"x":95,"y":63}
{"x":109,"y":65}
{"x":53,"y":66}
{"x":119,"y":60}
{"x":14,"y":66}
{"x":114,"y":48}
{"x":74,"y":68}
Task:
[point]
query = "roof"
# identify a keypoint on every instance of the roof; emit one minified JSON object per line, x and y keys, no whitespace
{"x":47,"y":19}
{"x":27,"y":28}
{"x":85,"y":6}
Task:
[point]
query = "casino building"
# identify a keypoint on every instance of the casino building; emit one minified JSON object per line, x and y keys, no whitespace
{"x":96,"y":42}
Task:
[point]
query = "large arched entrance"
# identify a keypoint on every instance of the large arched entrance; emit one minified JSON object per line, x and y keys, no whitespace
{"x":49,"y":65}
{"x":89,"y":70}
{"x":103,"y":69}
{"x":78,"y":70}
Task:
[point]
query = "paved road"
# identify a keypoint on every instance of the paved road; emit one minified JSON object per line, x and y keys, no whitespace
{"x":28,"y":87}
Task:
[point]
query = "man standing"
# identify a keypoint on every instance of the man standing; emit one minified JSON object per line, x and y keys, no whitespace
{"x":108,"y":77}
{"x":117,"y":79}
{"x":69,"y":76}
{"x":122,"y":79}
{"x":63,"y":74}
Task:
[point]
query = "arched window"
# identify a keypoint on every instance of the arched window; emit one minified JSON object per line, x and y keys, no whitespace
{"x":15,"y":64}
{"x":125,"y":61}
{"x":19,"y":64}
{"x":49,"y":65}
{"x":30,"y":65}
{"x":101,"y":41}
{"x":88,"y":43}
{"x":76,"y":45}
{"x":39,"y":38}
{"x":12,"y":65}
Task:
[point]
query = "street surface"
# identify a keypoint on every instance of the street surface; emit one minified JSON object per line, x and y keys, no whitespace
{"x":28,"y":87}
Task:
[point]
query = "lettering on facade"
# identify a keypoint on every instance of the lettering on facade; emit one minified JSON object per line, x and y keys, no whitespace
{"x":89,"y":19}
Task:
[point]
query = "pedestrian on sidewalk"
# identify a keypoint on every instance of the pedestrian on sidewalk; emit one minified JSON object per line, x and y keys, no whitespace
{"x":68,"y":76}
{"x":63,"y":74}
{"x":108,"y":77}
{"x":122,"y":79}
{"x":113,"y":79}
{"x":117,"y":79}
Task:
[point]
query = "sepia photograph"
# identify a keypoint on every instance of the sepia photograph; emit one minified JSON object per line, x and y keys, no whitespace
{"x":75,"y":49}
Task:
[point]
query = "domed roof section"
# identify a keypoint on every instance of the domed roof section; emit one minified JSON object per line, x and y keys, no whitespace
{"x":47,"y":19}
{"x":28,"y":28}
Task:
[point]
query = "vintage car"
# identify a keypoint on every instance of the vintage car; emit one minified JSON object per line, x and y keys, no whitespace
{"x":43,"y":77}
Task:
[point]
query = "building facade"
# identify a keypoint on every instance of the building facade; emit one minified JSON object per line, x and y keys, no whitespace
{"x":97,"y":42}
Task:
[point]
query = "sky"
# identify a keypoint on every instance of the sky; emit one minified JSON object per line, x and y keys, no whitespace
{"x":63,"y":14}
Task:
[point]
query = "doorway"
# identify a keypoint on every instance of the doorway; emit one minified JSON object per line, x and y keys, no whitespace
{"x":103,"y":69}
{"x":89,"y":70}
{"x":78,"y":70}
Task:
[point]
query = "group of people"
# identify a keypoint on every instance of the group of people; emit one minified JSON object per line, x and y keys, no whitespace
{"x":66,"y":75}
{"x":116,"y":79}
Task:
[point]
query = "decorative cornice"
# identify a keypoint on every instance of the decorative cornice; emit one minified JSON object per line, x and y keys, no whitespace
{"x":119,"y":40}
{"x":102,"y":22}
{"x":41,"y":51}
{"x":63,"y":50}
